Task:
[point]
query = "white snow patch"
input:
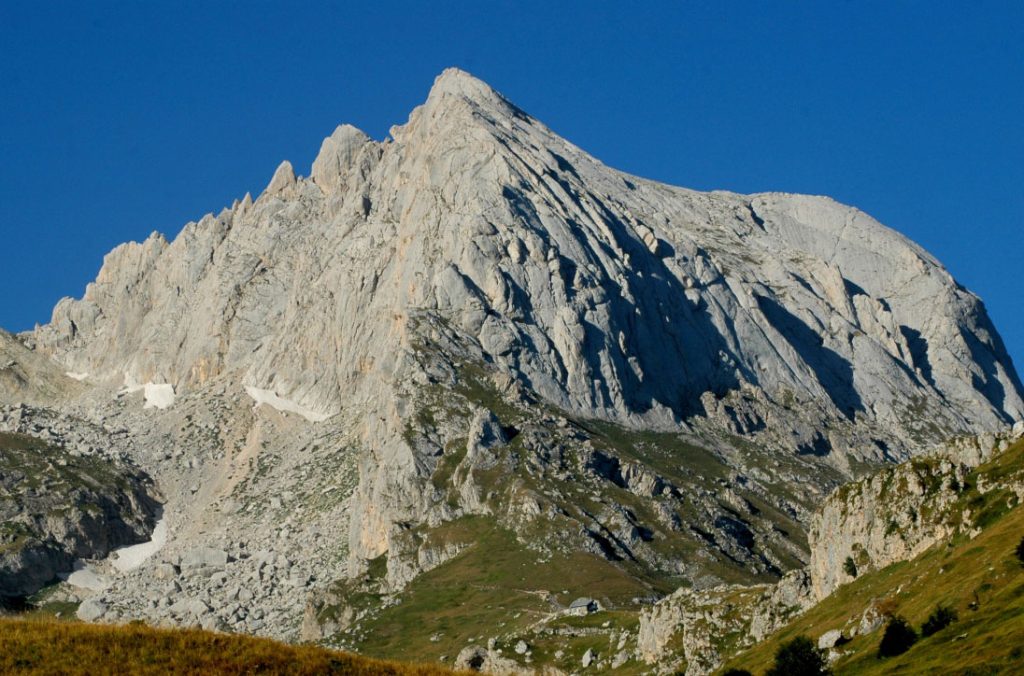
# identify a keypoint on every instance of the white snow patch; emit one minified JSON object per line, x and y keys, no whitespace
{"x":157,"y":395}
{"x":270,"y":398}
{"x":77,"y":376}
{"x":84,"y":577}
{"x":131,"y":557}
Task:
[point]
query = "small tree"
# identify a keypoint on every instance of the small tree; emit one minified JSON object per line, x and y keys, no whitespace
{"x":850,"y":566}
{"x":898,"y":638}
{"x":799,"y":657}
{"x":1020,"y":552}
{"x":941,"y":617}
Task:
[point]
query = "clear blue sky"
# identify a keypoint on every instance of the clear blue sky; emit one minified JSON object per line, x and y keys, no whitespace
{"x":120,"y":118}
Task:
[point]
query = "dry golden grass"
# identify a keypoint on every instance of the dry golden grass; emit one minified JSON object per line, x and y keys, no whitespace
{"x":52,"y":647}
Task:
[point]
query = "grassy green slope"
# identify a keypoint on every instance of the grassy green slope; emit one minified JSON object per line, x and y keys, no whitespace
{"x":499,"y":587}
{"x":981,"y":578}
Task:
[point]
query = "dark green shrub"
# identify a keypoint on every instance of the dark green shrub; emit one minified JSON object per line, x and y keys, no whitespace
{"x":850,"y":567}
{"x":799,"y":657}
{"x":941,"y":617}
{"x":898,"y":638}
{"x":1020,"y":552}
{"x":737,"y":672}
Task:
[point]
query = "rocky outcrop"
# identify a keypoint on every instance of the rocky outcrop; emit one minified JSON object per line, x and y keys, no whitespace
{"x":31,"y":378}
{"x":478,"y":658}
{"x":869,"y":524}
{"x":900,"y":511}
{"x":891,"y":516}
{"x":695,"y":631}
{"x":61,"y":504}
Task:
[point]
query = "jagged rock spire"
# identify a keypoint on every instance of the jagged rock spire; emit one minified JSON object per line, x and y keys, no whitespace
{"x":284,"y":177}
{"x":337,"y":154}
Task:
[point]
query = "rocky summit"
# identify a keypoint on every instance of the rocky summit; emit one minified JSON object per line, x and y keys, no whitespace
{"x":422,"y":400}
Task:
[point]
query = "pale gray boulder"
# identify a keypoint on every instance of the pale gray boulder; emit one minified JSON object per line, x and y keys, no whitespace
{"x":91,"y":610}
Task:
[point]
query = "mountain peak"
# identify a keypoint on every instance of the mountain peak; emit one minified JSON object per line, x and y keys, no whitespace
{"x":457,"y":82}
{"x":455,"y":98}
{"x":337,"y":153}
{"x":284,"y":177}
{"x":454,"y":85}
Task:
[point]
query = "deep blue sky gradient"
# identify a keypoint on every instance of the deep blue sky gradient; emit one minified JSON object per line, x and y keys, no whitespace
{"x":120,"y":118}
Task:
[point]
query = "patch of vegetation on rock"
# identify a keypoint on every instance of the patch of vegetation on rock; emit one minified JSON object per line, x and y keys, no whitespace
{"x":799,"y":657}
{"x":898,"y":638}
{"x":941,"y":617}
{"x":850,"y":567}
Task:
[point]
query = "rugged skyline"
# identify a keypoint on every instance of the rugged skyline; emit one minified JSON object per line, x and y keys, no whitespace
{"x":146,"y":118}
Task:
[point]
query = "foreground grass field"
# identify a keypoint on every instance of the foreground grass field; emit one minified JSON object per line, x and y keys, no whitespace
{"x":72,"y":648}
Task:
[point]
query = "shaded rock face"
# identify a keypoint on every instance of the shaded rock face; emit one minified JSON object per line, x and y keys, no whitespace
{"x":475,"y":229}
{"x":57,"y":506}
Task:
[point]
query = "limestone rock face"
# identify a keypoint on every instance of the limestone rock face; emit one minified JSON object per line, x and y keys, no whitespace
{"x":900,"y":511}
{"x":475,"y":235}
{"x":31,"y":378}
{"x":711,"y":625}
{"x":876,"y":522}
{"x":479,"y":213}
